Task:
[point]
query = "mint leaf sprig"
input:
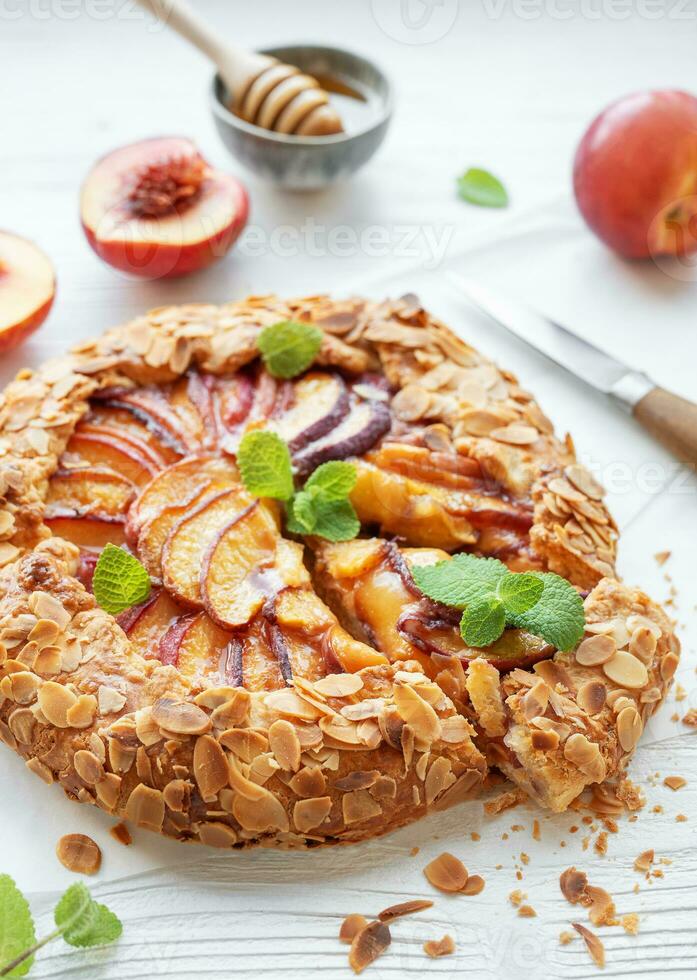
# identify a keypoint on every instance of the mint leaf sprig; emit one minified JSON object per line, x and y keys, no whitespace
{"x":288,"y":348}
{"x":80,"y":921}
{"x":321,"y":507}
{"x":480,"y":187}
{"x":492,"y":597}
{"x":119,"y":581}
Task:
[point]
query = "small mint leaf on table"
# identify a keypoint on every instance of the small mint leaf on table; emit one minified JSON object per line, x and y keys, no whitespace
{"x":16,"y":927}
{"x":483,"y":622}
{"x":558,"y":615}
{"x":519,"y":592}
{"x":335,"y":520}
{"x":480,"y":187}
{"x":84,"y":922}
{"x":334,"y":480}
{"x":265,"y":466}
{"x":120,"y":581}
{"x":288,"y":348}
{"x":460,"y":580}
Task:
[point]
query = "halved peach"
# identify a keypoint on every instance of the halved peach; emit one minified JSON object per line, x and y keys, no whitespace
{"x":104,"y":448}
{"x":188,"y":541}
{"x":89,"y":490}
{"x":27,"y":288}
{"x":238,"y":570}
{"x":87,"y":531}
{"x":156,"y":208}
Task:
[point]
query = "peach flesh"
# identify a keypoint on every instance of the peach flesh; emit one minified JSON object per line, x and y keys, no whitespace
{"x":635,"y":174}
{"x":27,"y":289}
{"x":156,"y":209}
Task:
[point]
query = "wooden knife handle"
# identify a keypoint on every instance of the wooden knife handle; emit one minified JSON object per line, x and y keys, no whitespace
{"x":672,"y":420}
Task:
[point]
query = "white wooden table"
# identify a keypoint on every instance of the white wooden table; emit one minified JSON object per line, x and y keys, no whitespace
{"x":504,"y":84}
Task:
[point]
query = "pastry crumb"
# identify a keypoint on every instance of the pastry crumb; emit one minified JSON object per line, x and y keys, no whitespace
{"x":527,"y":912}
{"x":516,"y":897}
{"x":644,"y":861}
{"x":630,"y":923}
{"x":566,"y":937}
{"x":662,"y":557}
{"x":674,"y":782}
{"x":439,"y":947}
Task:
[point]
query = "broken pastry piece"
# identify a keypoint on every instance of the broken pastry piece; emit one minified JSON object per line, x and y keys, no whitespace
{"x":553,"y":722}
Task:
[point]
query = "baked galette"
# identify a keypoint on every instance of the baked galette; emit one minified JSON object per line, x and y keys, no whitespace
{"x":281,"y":688}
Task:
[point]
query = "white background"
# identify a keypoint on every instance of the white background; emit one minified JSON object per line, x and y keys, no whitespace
{"x":505,"y":85}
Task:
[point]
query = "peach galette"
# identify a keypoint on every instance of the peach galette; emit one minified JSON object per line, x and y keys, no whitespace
{"x":296,"y":572}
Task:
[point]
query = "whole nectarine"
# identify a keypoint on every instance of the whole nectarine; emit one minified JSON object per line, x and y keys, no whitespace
{"x":635,"y":174}
{"x":157,"y":209}
{"x":27,"y":288}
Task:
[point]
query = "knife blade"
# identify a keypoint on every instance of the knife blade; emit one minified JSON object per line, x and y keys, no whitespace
{"x":670,"y":419}
{"x":593,"y":366}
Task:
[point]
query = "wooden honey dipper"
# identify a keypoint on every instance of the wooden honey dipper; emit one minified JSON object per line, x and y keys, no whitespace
{"x":262,"y":89}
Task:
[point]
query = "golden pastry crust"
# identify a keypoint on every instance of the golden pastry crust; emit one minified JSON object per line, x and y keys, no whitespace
{"x":301,"y":765}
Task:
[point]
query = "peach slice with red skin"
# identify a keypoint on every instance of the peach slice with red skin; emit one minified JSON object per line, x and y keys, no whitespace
{"x":155,"y":411}
{"x":27,"y":289}
{"x":157,"y":209}
{"x":90,"y":490}
{"x":238,"y":570}
{"x":194,"y":645}
{"x":102,"y":447}
{"x":103,"y":415}
{"x":187,"y":543}
{"x":146,"y":624}
{"x":88,"y":530}
{"x":173,"y":486}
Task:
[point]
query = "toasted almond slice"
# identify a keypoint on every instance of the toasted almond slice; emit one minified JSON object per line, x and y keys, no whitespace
{"x":368,"y":944}
{"x":352,"y":925}
{"x":593,"y":944}
{"x":474,"y":886}
{"x":404,"y":908}
{"x":447,"y":873}
{"x":573,"y":885}
{"x":79,"y":853}
{"x":674,"y":782}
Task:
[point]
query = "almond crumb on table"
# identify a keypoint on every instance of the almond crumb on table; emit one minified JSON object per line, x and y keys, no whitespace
{"x":630,"y":923}
{"x":79,"y":853}
{"x":690,"y":719}
{"x":674,"y":782}
{"x":516,"y":897}
{"x":439,"y":947}
{"x":593,"y":944}
{"x":566,"y":937}
{"x":352,"y":925}
{"x":121,"y":833}
{"x":644,"y":861}
{"x":369,"y":942}
{"x":662,"y":557}
{"x":527,"y":912}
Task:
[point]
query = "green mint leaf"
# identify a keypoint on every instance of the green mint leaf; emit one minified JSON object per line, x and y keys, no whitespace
{"x":557,"y":616}
{"x":288,"y":347}
{"x":16,"y":927}
{"x":301,"y":517}
{"x":84,"y":922}
{"x":334,"y":480}
{"x":461,"y":580}
{"x":519,"y":592}
{"x":264,"y":462}
{"x":482,"y":188}
{"x":483,"y":622}
{"x":120,"y":581}
{"x":335,"y":520}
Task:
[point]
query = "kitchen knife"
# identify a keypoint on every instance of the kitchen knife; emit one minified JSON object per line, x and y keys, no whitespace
{"x":668,"y":417}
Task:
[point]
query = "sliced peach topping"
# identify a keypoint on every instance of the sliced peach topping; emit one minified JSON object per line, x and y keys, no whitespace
{"x":104,"y":449}
{"x":87,"y":531}
{"x":193,"y":644}
{"x":190,"y":538}
{"x":240,"y":569}
{"x":90,"y":490}
{"x":147,"y":624}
